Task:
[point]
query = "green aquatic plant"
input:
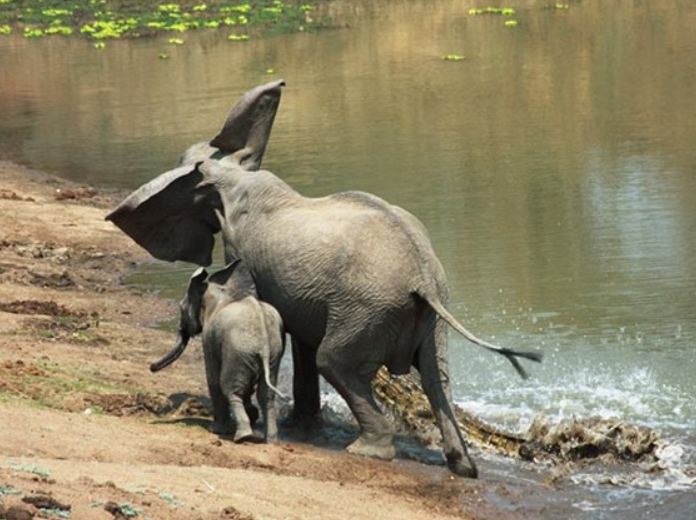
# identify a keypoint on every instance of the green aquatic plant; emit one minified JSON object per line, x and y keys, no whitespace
{"x":505,"y":11}
{"x":59,"y":29}
{"x":238,"y":37}
{"x":102,"y":19}
{"x":169,"y":8}
{"x":56,"y":12}
{"x":241,"y":8}
{"x":176,"y":41}
{"x":561,"y":6}
{"x":270,"y":71}
{"x":163,"y":56}
{"x":177,"y":27}
{"x":511,"y":23}
{"x":453,"y":57}
{"x":33,"y":32}
{"x":99,"y":45}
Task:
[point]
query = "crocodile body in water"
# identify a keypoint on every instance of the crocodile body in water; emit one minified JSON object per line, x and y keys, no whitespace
{"x":568,"y":440}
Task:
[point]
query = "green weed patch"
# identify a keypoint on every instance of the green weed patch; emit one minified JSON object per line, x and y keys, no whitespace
{"x":113,"y":19}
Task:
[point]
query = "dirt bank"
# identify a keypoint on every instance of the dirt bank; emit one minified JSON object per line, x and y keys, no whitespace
{"x":87,"y":431}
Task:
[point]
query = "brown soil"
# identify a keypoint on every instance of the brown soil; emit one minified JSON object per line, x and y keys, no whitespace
{"x":87,"y":430}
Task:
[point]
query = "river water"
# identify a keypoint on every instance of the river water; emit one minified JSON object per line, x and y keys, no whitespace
{"x":554,"y":166}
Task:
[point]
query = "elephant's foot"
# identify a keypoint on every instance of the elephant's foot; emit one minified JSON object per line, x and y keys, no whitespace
{"x":221,"y":428}
{"x":243,"y":434}
{"x":462,"y":465}
{"x":301,"y":421}
{"x":377,"y":446}
{"x":248,"y":437}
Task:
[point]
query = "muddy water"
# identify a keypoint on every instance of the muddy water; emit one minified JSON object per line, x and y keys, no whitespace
{"x":554,"y":167}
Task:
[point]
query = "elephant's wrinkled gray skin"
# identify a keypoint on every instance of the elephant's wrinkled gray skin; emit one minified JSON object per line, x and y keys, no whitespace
{"x":355,"y":280}
{"x":243,"y":341}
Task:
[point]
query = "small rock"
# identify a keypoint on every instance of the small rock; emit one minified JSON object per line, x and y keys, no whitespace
{"x":18,"y":513}
{"x":45,"y":502}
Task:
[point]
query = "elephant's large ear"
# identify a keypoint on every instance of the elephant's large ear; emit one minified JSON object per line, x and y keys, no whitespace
{"x":173,"y":215}
{"x":248,"y":126}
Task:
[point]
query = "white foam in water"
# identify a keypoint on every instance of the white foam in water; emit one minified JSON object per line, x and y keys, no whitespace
{"x":636,"y":396}
{"x":633,"y":394}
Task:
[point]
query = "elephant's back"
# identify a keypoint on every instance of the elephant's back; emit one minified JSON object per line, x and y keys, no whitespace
{"x":393,"y":241}
{"x":237,"y":325}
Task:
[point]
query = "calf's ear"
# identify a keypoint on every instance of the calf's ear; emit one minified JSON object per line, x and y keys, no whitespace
{"x":235,"y":280}
{"x":197,"y":285}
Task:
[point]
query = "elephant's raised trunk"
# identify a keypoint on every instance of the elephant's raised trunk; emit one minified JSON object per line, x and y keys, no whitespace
{"x":172,"y":355}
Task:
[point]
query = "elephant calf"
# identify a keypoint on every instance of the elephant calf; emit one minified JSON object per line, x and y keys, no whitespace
{"x":243,"y":341}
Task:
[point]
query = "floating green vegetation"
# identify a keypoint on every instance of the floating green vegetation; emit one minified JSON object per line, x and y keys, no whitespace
{"x":511,"y":23}
{"x":163,"y":56}
{"x":99,"y":45}
{"x":176,"y":41}
{"x":453,"y":57}
{"x":270,"y":71}
{"x":561,"y":6}
{"x":102,"y":19}
{"x":505,"y":11}
{"x":33,"y":32}
{"x":238,"y":37}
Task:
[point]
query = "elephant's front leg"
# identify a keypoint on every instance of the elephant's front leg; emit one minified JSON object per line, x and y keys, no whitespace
{"x":305,"y":384}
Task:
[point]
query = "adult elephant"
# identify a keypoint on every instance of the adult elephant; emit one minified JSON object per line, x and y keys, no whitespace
{"x":354,"y":278}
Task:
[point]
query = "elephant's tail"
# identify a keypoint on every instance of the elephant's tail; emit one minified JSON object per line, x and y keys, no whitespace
{"x":266,"y":351}
{"x":441,"y":311}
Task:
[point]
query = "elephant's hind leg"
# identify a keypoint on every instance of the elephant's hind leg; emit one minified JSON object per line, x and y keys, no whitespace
{"x":434,"y":370}
{"x":221,"y":409}
{"x":353,"y":383}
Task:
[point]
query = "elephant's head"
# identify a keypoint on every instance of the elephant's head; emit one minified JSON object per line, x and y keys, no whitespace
{"x":203,"y":296}
{"x":173,"y":216}
{"x":190,"y":318}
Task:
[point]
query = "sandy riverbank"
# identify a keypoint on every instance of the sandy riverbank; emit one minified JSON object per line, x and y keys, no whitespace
{"x":83,"y":420}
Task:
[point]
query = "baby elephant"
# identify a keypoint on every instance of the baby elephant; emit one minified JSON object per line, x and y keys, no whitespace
{"x":243,"y":341}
